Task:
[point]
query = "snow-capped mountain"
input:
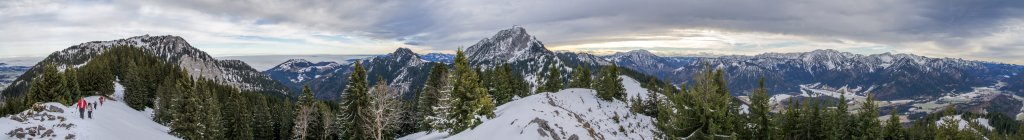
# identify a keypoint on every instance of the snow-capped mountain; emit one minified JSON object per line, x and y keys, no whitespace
{"x":525,"y":54}
{"x":407,"y":70}
{"x":890,"y":76}
{"x":439,"y":57}
{"x":508,"y":46}
{"x":641,"y":60}
{"x":295,"y":73}
{"x":173,"y":50}
{"x":403,"y":69}
{"x":913,"y":84}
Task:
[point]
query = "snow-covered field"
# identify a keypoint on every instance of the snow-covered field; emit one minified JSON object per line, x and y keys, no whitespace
{"x":979,"y":94}
{"x":963,"y":124}
{"x":111,"y":121}
{"x":573,"y":113}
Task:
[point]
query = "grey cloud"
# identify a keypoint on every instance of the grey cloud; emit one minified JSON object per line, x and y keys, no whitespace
{"x":447,"y":24}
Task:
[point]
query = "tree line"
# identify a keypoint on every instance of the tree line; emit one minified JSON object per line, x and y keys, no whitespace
{"x":705,"y":109}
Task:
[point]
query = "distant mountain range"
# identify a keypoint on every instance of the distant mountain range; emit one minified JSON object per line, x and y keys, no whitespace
{"x":890,"y":77}
{"x":402,"y":69}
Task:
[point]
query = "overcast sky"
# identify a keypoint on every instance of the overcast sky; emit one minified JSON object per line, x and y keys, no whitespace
{"x":989,"y":30}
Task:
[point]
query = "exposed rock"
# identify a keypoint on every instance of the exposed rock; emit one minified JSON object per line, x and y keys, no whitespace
{"x":18,"y":118}
{"x":55,"y":109}
{"x":48,"y":133}
{"x":38,"y":107}
{"x":544,"y":129}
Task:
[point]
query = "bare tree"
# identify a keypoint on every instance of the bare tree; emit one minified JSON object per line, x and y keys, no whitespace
{"x":304,"y":114}
{"x":383,"y":111}
{"x":300,"y":129}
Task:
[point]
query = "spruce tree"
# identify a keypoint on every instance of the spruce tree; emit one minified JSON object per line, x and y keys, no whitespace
{"x":185,"y":124}
{"x":48,"y":87}
{"x":354,"y":100}
{"x":212,"y":126}
{"x":868,"y":126}
{"x":517,"y":84}
{"x":950,"y":126}
{"x":553,"y":80}
{"x":503,"y":82}
{"x":96,"y":77}
{"x":706,"y":109}
{"x":168,"y":95}
{"x":610,"y":85}
{"x":581,"y":77}
{"x":790,"y":127}
{"x":263,"y":122}
{"x":441,"y":120}
{"x":893,"y":128}
{"x":760,"y":112}
{"x":429,"y":95}
{"x":237,"y":116}
{"x":74,"y":89}
{"x":469,"y":97}
{"x":840,"y":119}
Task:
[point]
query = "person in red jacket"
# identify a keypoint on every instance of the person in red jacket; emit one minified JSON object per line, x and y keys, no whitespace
{"x":81,"y":108}
{"x":101,"y":100}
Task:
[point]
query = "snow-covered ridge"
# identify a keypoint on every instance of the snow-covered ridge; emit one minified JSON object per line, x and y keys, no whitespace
{"x":303,"y":70}
{"x":111,"y":121}
{"x":174,"y":50}
{"x":573,"y":113}
{"x":833,"y":59}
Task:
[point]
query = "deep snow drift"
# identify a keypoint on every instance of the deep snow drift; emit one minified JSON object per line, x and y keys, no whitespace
{"x":573,"y":113}
{"x":111,"y":121}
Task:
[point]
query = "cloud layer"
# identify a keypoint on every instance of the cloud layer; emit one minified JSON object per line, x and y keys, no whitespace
{"x":988,"y":30}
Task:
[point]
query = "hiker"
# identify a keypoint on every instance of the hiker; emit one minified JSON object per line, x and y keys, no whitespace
{"x":81,"y":108}
{"x":90,"y":109}
{"x":101,"y":100}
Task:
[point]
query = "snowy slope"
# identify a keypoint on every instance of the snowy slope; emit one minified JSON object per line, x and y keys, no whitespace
{"x":112,"y":121}
{"x":573,"y":113}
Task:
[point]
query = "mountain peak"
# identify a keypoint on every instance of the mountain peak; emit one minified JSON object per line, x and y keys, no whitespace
{"x":515,"y":30}
{"x":403,"y":52}
{"x":507,"y":45}
{"x":640,"y":52}
{"x":297,"y":61}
